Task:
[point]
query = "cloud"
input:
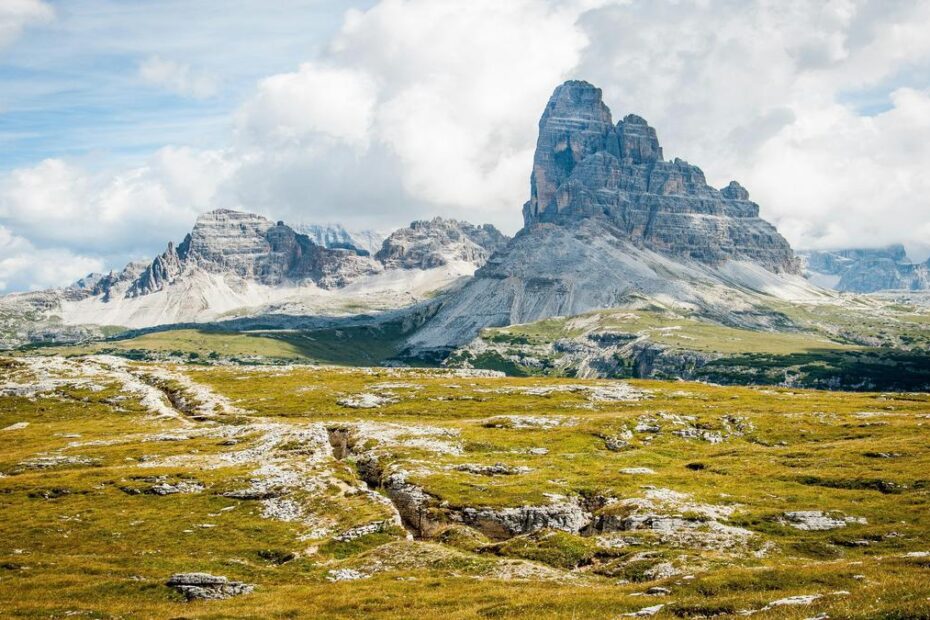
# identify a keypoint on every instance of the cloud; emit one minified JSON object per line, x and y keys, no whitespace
{"x":56,"y":204}
{"x":17,"y":14}
{"x":753,"y":91}
{"x":445,"y":94}
{"x":315,"y":101}
{"x":177,"y":78}
{"x":837,"y":179}
{"x":24,"y":267}
{"x":415,"y":108}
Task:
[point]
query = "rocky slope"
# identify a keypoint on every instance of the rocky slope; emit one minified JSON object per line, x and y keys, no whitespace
{"x":241,"y":264}
{"x":337,"y":236}
{"x":610,"y":223}
{"x":437,"y":242}
{"x":867,"y":270}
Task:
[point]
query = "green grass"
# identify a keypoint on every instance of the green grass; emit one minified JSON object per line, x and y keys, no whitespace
{"x":356,"y":346}
{"x":873,"y":347}
{"x":668,"y":329}
{"x":78,"y":538}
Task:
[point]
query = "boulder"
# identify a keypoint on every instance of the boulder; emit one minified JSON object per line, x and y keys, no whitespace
{"x":204,"y":586}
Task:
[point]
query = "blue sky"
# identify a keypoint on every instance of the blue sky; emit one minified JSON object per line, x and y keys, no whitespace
{"x":122,"y":120}
{"x":72,"y":86}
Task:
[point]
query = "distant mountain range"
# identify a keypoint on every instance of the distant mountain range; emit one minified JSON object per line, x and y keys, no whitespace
{"x":336,"y":236}
{"x":610,"y":224}
{"x":868,"y":270}
{"x":235,"y":264}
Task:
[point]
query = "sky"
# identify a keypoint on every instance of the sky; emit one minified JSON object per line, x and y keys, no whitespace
{"x":122,"y":120}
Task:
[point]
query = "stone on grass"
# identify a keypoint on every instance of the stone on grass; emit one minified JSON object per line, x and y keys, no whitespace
{"x":637,"y":471}
{"x":366,"y":401}
{"x":645,"y":612}
{"x":345,"y":574}
{"x":818,"y":521}
{"x":204,"y":586}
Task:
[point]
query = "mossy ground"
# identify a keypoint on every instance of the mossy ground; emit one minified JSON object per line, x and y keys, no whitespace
{"x":862,"y":344}
{"x":74,"y":542}
{"x":354,"y":346}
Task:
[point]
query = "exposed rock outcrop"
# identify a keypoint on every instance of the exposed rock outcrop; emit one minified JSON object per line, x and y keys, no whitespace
{"x":867,"y":270}
{"x":567,"y":515}
{"x":611,"y":223}
{"x":432,"y":243}
{"x":204,"y":586}
{"x":818,"y":520}
{"x":587,"y":167}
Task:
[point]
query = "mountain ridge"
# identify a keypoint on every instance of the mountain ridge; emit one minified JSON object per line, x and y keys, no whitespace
{"x":243,"y":263}
{"x":867,"y":270}
{"x":609,"y":223}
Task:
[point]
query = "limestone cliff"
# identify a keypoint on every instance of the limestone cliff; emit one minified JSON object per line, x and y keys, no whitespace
{"x":610,"y":223}
{"x":585,"y":166}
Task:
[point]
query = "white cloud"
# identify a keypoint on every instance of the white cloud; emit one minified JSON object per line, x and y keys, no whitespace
{"x":836,"y":179}
{"x":178,"y":78}
{"x":727,"y":84}
{"x":24,"y":267}
{"x":294,"y":108}
{"x":417,"y":107}
{"x":444,"y":93}
{"x":760,"y":92}
{"x":17,"y":14}
{"x":58,"y":205}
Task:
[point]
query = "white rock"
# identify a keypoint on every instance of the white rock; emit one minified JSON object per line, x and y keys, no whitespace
{"x":801,"y":599}
{"x":645,"y":611}
{"x":345,"y":574}
{"x":817,"y":520}
{"x":366,"y":401}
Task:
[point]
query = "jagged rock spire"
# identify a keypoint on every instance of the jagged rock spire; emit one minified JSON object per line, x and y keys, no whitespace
{"x":585,"y":166}
{"x":575,"y":124}
{"x":638,"y":141}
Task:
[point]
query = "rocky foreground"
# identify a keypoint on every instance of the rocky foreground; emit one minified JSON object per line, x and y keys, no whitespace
{"x":169,"y":490}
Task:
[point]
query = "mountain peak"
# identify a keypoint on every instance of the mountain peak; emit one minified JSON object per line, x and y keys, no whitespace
{"x":735,"y":191}
{"x":576,"y":99}
{"x":638,"y":142}
{"x":587,"y":167}
{"x":427,"y":244}
{"x":575,"y":124}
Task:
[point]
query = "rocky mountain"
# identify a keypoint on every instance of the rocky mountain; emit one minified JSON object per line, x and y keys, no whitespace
{"x":434,"y":243}
{"x":241,"y":264}
{"x":253,"y":248}
{"x":337,"y":236}
{"x":610,"y":222}
{"x":867,"y":270}
{"x":585,"y":166}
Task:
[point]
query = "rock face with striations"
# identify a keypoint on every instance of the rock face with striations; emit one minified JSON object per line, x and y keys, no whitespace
{"x":867,"y":270}
{"x":585,"y":166}
{"x":235,"y":263}
{"x":253,"y":248}
{"x":433,"y":243}
{"x":610,"y":223}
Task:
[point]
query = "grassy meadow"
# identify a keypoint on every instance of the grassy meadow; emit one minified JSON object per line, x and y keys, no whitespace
{"x":713,"y":471}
